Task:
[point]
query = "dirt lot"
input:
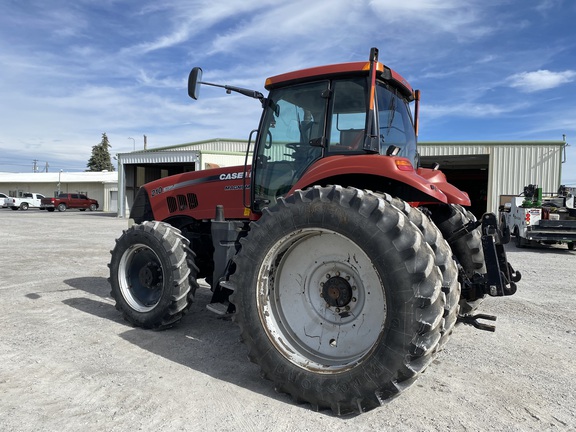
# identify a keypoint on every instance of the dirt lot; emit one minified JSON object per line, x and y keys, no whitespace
{"x":68,"y":362}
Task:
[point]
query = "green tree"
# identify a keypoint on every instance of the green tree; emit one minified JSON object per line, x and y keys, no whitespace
{"x":100,"y":159}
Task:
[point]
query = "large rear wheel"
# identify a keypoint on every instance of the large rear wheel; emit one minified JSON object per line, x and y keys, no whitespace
{"x":338,"y":298}
{"x":152,"y":275}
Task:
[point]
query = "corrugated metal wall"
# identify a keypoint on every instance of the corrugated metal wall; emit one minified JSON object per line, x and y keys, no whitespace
{"x":512,"y":165}
{"x":222,"y":159}
{"x":217,"y":145}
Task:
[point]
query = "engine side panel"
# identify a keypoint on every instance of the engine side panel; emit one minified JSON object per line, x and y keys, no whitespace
{"x":196,"y":194}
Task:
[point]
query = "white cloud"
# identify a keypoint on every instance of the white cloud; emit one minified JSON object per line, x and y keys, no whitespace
{"x":431,"y":16}
{"x":469,"y":109}
{"x":540,"y":80}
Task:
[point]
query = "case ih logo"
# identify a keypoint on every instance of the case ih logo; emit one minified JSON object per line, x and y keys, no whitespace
{"x":234,"y":176}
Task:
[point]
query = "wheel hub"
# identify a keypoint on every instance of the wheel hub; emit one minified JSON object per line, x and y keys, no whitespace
{"x":337,"y":291}
{"x":150,"y":275}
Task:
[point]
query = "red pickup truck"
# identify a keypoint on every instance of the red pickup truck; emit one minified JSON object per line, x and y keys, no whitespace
{"x":69,"y":200}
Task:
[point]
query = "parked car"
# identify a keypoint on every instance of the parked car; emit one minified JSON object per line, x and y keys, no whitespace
{"x":3,"y":200}
{"x":65,"y":201}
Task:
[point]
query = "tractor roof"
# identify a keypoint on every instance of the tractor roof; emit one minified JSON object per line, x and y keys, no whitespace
{"x":341,"y":70}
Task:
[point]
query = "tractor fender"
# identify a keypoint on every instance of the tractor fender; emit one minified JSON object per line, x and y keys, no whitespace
{"x":454,"y":195}
{"x":398,"y":169}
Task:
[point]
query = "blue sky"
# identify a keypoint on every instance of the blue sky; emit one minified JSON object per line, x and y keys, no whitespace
{"x":71,"y":70}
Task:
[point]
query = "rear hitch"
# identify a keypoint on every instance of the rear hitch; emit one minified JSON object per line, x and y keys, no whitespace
{"x":473,"y":321}
{"x":500,"y":278}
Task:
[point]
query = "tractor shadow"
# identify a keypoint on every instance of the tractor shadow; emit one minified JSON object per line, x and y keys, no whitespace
{"x":202,"y":341}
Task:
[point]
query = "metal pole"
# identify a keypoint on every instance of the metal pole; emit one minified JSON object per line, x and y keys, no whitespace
{"x":59,"y":174}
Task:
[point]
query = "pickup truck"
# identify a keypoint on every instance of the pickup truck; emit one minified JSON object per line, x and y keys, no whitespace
{"x":24,"y":202}
{"x":65,"y":201}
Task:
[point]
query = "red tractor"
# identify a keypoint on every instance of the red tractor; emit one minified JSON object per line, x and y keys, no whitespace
{"x":345,"y":263}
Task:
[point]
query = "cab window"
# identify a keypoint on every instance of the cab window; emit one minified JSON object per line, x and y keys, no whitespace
{"x":348,"y":116}
{"x":395,"y":122}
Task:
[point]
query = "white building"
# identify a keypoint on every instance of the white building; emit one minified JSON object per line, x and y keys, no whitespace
{"x":101,"y":186}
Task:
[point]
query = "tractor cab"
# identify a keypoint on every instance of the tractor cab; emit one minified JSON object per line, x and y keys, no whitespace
{"x":344,"y":109}
{"x":323,"y":112}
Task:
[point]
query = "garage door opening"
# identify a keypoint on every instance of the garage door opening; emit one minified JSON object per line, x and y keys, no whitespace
{"x":468,"y":173}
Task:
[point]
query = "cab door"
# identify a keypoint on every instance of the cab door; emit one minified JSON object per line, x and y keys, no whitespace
{"x":292,"y":136}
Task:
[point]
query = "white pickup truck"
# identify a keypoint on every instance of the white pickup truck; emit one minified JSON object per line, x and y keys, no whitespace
{"x":24,"y":202}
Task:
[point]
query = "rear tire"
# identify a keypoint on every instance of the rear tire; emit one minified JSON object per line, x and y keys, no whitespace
{"x":338,"y":298}
{"x":152,"y":275}
{"x":467,"y":249}
{"x":61,"y":207}
{"x":24,"y":206}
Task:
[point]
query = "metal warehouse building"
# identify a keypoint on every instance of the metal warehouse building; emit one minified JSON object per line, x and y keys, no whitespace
{"x":488,"y":169}
{"x":484,"y":169}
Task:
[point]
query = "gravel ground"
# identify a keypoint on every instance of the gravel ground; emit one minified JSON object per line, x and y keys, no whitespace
{"x":68,"y":362}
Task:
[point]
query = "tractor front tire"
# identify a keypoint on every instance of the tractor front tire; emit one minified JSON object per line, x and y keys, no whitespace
{"x":443,"y":258}
{"x":467,"y":249}
{"x":152,"y":275}
{"x":338,"y":298}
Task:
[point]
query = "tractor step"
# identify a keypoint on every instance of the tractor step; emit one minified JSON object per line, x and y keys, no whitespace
{"x":219,"y":309}
{"x":473,"y":321}
{"x":228,"y":285}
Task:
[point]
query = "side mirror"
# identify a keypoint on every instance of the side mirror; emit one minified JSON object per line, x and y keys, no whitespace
{"x":194,"y":81}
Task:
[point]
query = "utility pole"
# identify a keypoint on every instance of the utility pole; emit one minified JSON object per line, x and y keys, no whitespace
{"x":133,"y":143}
{"x":35,"y":166}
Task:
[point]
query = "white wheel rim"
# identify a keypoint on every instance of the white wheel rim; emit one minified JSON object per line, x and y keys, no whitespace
{"x":141,"y":277}
{"x":321,"y":300}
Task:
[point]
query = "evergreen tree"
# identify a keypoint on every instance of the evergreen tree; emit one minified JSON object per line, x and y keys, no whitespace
{"x":100,"y":159}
